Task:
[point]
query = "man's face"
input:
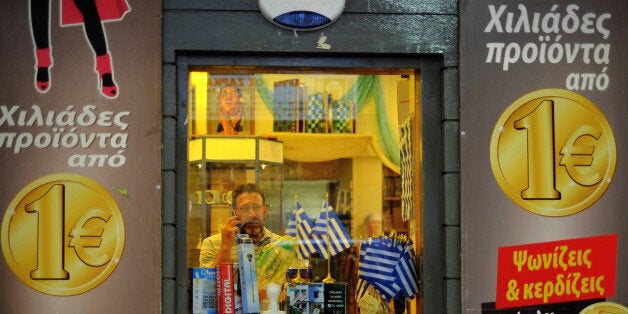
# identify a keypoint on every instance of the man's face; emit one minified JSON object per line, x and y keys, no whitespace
{"x":374,"y":228}
{"x":251,"y":210}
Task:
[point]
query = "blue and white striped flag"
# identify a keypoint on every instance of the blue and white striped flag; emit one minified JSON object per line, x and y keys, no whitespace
{"x":300,"y":227}
{"x":389,"y":266}
{"x":377,"y":265}
{"x":291,"y":229}
{"x":330,"y":235}
{"x":407,"y":275}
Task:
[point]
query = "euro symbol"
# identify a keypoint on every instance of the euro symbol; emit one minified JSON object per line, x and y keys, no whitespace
{"x":574,"y":156}
{"x":89,"y":237}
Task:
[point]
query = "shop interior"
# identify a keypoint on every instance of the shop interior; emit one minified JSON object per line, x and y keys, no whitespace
{"x":312,"y":137}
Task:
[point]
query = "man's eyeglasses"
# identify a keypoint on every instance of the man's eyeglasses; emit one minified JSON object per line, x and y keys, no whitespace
{"x":257,"y":208}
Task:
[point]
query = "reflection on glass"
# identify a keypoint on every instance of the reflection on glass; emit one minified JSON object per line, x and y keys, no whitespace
{"x":340,"y":138}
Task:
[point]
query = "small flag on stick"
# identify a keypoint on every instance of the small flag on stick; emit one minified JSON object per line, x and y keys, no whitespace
{"x":300,"y":227}
{"x":329,"y":228}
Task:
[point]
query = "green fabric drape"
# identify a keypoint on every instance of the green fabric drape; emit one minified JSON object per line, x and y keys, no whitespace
{"x":365,"y":88}
{"x":265,"y":93}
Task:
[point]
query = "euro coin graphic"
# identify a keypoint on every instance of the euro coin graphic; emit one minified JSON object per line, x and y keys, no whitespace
{"x":605,"y":308}
{"x":553,"y":152}
{"x":62,"y":234}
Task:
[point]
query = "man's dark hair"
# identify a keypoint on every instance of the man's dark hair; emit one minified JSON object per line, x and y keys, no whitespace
{"x":246,"y":188}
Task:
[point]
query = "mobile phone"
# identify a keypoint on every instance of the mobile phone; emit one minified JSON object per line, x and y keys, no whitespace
{"x":240,"y":225}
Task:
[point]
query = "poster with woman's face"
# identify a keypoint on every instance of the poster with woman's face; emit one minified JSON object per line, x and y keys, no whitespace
{"x":230,"y":103}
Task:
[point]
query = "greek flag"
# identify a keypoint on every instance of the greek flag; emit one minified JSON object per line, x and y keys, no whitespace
{"x":300,"y":227}
{"x":329,"y":233}
{"x":377,"y":265}
{"x":388,"y":265}
{"x":291,"y":229}
{"x":407,"y":275}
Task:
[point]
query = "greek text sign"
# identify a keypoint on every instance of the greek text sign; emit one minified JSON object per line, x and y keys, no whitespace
{"x":557,"y":271}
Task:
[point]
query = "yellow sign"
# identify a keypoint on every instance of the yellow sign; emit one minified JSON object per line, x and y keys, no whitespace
{"x":63,"y":234}
{"x":553,"y":152}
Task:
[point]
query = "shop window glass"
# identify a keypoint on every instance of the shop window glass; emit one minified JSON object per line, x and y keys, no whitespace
{"x":309,"y":137}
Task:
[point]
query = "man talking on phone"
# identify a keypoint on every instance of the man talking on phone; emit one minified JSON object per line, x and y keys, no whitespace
{"x":249,"y":205}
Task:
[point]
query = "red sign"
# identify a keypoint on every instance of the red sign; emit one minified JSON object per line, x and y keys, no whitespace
{"x":557,"y":271}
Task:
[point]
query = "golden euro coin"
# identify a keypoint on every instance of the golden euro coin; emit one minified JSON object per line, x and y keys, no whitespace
{"x":605,"y":308}
{"x":553,"y":152}
{"x":62,"y":234}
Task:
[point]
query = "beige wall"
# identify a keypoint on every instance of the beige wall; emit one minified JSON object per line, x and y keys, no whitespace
{"x":367,"y":192}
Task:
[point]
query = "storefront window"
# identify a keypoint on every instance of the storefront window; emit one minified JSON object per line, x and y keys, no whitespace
{"x":309,"y":138}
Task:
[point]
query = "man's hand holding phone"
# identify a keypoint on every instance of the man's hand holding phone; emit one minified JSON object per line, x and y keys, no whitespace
{"x":228,"y":232}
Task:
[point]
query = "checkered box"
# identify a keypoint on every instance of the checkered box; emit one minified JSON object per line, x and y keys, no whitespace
{"x":343,"y":116}
{"x":316,"y":113}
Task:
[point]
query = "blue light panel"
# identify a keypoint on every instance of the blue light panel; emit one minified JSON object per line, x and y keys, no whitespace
{"x":302,"y":20}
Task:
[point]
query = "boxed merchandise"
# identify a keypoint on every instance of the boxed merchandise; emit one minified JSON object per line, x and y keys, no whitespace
{"x":316,"y":112}
{"x":248,"y":276}
{"x":335,"y":298}
{"x":203,"y":291}
{"x":316,"y":298}
{"x":288,"y":100}
{"x":343,"y":116}
{"x":225,"y":291}
{"x":297,"y":298}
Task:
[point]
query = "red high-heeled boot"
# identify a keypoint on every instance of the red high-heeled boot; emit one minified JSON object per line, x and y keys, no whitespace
{"x":107,"y":85}
{"x":42,"y":74}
